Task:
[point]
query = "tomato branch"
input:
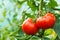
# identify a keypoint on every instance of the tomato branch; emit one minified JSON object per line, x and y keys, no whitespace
{"x":40,"y":7}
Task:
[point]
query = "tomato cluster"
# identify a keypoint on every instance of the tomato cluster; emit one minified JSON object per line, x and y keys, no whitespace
{"x":44,"y":22}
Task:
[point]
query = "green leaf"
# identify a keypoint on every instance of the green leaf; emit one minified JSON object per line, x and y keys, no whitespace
{"x":23,"y":16}
{"x":45,"y":38}
{"x":20,"y":32}
{"x":15,"y":18}
{"x":4,"y":13}
{"x":19,"y":3}
{"x":34,"y":38}
{"x":9,"y":21}
{"x":57,"y":29}
{"x":57,"y":25}
{"x":1,"y":20}
{"x":32,"y":4}
{"x":52,"y":4}
{"x":50,"y":33}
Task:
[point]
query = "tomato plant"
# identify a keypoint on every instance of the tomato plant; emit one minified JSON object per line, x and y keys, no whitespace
{"x":29,"y":20}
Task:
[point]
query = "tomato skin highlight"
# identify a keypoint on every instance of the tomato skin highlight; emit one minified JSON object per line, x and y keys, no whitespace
{"x":46,"y":21}
{"x":29,"y":27}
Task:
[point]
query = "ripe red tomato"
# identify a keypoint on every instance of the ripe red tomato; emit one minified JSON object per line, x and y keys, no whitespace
{"x":29,"y":27}
{"x":46,"y":21}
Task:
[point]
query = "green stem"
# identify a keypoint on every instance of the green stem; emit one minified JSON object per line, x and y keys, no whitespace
{"x":28,"y":37}
{"x":40,"y":7}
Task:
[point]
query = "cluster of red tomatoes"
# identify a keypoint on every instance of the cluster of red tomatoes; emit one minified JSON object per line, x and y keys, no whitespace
{"x":44,"y":22}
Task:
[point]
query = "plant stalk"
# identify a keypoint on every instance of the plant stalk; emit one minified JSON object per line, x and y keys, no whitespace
{"x":40,"y":7}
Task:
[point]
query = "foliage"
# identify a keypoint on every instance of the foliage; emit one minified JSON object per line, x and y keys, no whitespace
{"x":15,"y":13}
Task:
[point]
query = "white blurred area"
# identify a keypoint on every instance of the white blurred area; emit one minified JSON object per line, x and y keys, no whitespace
{"x":58,"y":1}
